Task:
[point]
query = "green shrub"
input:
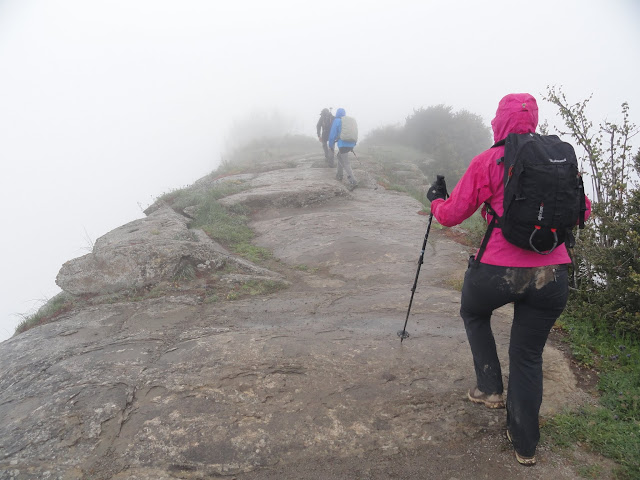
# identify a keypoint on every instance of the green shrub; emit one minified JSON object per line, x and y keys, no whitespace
{"x":607,"y":254}
{"x":450,"y":139}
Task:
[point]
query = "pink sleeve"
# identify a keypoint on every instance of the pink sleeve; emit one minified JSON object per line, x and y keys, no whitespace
{"x":587,"y":214}
{"x":472,"y":190}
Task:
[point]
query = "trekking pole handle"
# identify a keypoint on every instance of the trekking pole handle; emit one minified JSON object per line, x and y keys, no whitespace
{"x":440,"y":181}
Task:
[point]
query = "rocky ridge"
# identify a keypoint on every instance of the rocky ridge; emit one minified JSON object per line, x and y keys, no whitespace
{"x":308,"y":381}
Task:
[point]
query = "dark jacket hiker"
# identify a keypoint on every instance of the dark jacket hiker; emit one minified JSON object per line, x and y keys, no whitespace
{"x":323,"y":128}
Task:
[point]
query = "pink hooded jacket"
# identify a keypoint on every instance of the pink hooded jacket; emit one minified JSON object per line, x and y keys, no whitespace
{"x":483,"y":182}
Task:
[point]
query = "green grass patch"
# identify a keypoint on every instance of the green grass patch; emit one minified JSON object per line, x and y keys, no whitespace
{"x":213,"y":298}
{"x":185,"y":272}
{"x":600,"y":430}
{"x":261,"y":287}
{"x":47,"y":313}
{"x":305,"y":268}
{"x":252,"y":252}
{"x":228,"y":225}
{"x":590,"y":471}
{"x":188,"y":196}
{"x":612,"y":428}
{"x":594,"y":345}
{"x":225,"y":225}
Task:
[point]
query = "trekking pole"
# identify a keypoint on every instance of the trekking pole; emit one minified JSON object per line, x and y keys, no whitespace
{"x":357,"y":158}
{"x":403,"y":333}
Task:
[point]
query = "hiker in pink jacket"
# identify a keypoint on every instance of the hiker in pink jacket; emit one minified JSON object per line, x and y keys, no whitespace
{"x":536,"y":284}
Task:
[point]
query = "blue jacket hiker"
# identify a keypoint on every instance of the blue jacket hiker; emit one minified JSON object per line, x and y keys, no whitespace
{"x":345,"y":145}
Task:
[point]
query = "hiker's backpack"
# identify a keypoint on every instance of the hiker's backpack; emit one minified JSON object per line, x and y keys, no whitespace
{"x":327,"y":120}
{"x":349,"y":130}
{"x":543,"y":193}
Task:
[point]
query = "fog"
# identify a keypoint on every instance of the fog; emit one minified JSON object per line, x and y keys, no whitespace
{"x":104,"y":105}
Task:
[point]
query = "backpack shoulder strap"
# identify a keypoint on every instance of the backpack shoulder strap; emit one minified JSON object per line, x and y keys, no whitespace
{"x":499,"y":143}
{"x":490,"y":211}
{"x":487,"y":234}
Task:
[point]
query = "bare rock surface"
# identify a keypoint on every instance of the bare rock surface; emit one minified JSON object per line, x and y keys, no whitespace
{"x":306,"y":383}
{"x":145,"y":252}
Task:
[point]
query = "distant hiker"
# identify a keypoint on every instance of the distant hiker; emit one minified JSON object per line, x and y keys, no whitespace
{"x":345,"y":131}
{"x":323,"y":128}
{"x":502,"y":273}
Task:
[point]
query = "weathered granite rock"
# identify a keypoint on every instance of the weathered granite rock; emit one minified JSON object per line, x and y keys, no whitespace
{"x":202,"y":185}
{"x":308,"y":383}
{"x":145,"y":252}
{"x":283,"y":188}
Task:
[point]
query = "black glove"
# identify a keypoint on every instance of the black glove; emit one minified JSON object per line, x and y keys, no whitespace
{"x":438,"y":189}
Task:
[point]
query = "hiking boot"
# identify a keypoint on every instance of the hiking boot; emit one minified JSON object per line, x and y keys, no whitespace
{"x":339,"y":178}
{"x":522,"y":460}
{"x":352,"y":186}
{"x":493,"y":400}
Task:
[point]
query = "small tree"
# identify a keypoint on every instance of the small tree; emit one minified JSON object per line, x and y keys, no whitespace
{"x":608,"y":254}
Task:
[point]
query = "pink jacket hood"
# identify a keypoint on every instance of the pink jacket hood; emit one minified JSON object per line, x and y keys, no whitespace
{"x":517,"y":113}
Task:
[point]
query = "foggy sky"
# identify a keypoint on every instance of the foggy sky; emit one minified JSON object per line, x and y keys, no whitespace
{"x":105,"y":105}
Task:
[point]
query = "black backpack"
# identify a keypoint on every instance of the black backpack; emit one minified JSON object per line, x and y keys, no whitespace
{"x":327,"y":121}
{"x":543,"y":193}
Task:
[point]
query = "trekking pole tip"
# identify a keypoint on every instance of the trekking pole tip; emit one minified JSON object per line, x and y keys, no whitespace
{"x":403,"y":334}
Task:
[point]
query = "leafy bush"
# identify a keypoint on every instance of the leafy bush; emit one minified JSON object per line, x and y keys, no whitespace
{"x":610,"y":275}
{"x":602,"y":318}
{"x":607,"y":255}
{"x":450,"y":139}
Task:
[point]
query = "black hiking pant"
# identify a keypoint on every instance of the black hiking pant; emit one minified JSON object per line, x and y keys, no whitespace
{"x":539,"y":295}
